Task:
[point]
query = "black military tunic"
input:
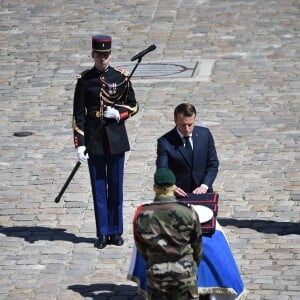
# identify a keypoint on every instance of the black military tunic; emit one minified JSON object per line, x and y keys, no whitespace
{"x":113,"y":88}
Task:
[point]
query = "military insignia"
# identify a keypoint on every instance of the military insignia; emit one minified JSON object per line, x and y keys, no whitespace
{"x":122,"y":71}
{"x":113,"y":91}
{"x":79,"y":76}
{"x":112,"y":88}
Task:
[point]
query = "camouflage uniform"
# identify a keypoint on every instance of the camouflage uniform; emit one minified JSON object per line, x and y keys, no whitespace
{"x":167,"y":233}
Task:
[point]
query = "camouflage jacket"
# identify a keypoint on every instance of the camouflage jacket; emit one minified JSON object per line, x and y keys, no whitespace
{"x":167,"y":230}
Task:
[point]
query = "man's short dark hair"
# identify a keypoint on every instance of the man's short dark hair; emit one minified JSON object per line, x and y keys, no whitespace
{"x":186,"y":109}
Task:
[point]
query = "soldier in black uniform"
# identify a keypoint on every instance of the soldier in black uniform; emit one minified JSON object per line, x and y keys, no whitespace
{"x":103,"y":100}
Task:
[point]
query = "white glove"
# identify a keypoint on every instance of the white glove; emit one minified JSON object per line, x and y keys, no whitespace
{"x":112,"y":113}
{"x":80,"y":154}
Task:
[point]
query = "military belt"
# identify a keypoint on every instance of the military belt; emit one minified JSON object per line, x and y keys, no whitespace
{"x":95,"y":114}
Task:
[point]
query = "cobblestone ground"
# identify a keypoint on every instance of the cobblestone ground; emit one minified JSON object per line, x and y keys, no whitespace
{"x":250,"y":102}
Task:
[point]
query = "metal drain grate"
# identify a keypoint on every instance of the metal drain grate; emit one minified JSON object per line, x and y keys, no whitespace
{"x":198,"y":70}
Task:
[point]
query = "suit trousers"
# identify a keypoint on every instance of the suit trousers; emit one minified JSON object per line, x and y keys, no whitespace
{"x":106,"y":174}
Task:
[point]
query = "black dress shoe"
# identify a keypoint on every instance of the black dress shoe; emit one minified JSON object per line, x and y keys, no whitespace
{"x":116,"y":239}
{"x":101,"y":242}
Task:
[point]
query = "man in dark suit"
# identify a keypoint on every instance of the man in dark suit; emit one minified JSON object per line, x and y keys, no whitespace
{"x":103,"y":100}
{"x":189,"y":151}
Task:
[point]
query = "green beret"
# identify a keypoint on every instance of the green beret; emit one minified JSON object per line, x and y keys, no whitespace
{"x":164,"y":177}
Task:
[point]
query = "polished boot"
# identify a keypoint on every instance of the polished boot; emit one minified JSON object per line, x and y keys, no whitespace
{"x":116,"y":239}
{"x":101,"y":242}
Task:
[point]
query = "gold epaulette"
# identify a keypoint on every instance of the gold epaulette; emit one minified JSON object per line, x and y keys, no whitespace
{"x":82,"y":74}
{"x":122,"y":71}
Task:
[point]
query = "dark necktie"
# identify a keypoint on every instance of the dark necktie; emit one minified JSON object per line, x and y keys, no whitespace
{"x":188,"y":147}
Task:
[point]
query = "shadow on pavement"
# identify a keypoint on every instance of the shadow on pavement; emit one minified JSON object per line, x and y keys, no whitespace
{"x":32,"y":234}
{"x":280,"y":228}
{"x":105,"y":291}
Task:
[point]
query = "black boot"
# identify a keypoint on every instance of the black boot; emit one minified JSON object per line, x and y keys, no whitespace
{"x":116,"y":239}
{"x":101,"y":242}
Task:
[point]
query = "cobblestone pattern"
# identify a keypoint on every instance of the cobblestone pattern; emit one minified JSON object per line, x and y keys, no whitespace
{"x":250,"y":103}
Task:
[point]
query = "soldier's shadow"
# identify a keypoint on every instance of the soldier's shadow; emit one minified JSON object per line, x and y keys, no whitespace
{"x":264,"y":226}
{"x":32,"y":234}
{"x":104,"y":291}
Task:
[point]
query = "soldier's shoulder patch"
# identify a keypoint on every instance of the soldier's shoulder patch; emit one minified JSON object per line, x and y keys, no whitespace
{"x":81,"y":75}
{"x":122,"y":71}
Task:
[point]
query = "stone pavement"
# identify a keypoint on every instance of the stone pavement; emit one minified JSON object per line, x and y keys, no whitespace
{"x":250,"y":101}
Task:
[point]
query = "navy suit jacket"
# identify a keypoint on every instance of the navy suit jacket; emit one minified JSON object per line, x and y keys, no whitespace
{"x":189,"y":174}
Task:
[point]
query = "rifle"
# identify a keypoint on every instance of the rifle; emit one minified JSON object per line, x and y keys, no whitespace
{"x":137,"y":57}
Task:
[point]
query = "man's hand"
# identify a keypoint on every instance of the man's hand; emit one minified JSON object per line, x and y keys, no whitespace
{"x":202,"y":189}
{"x":80,"y":154}
{"x":112,"y":113}
{"x":179,"y":192}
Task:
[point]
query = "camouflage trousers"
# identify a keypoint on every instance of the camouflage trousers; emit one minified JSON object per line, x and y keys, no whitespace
{"x":172,"y":281}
